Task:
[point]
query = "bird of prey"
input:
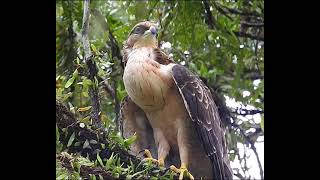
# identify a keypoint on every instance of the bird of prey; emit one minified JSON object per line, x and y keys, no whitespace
{"x":170,"y":110}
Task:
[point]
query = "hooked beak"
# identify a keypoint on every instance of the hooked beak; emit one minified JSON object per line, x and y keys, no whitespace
{"x":152,"y":30}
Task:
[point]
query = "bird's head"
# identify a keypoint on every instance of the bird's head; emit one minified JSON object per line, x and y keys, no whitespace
{"x":143,"y":34}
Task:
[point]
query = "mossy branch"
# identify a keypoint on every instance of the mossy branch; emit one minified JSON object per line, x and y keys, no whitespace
{"x":96,"y":143}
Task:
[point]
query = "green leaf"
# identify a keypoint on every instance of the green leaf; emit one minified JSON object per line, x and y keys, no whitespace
{"x":62,"y":176}
{"x":94,"y":49}
{"x":103,"y":146}
{"x":84,"y":109}
{"x":87,"y":82}
{"x":71,"y":139}
{"x":71,"y":80}
{"x":130,"y":140}
{"x":57,"y":133}
{"x":92,"y":177}
{"x":92,"y":141}
{"x":86,"y":119}
{"x":85,"y":94}
{"x":85,"y":144}
{"x":100,"y":160}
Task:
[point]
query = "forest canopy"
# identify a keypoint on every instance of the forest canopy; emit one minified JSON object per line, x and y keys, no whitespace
{"x":222,"y":41}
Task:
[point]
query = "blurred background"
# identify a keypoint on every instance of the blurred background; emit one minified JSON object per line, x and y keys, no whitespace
{"x":222,"y":41}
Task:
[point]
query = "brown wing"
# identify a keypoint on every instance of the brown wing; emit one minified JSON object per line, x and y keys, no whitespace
{"x":204,"y":113}
{"x":133,"y":120}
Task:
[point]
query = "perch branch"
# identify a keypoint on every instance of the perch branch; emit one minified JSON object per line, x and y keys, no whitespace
{"x":67,"y":122}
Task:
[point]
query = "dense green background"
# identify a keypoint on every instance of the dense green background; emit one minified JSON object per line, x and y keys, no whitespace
{"x":220,"y":40}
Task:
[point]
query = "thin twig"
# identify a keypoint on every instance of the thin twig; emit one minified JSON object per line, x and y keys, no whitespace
{"x":248,"y":139}
{"x":210,"y":20}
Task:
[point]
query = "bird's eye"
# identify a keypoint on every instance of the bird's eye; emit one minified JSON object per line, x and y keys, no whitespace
{"x":138,"y":30}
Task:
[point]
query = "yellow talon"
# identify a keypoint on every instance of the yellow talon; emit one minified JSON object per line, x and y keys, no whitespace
{"x":183,"y":172}
{"x":149,"y":157}
{"x":147,"y":153}
{"x":161,"y":162}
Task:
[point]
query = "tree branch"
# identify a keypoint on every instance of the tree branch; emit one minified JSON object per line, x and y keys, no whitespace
{"x":85,"y":31}
{"x":115,"y":49}
{"x":226,"y":9}
{"x":249,"y":140}
{"x":107,"y":87}
{"x":92,"y":68}
{"x":221,"y":10}
{"x":115,"y":53}
{"x":252,"y":24}
{"x":239,"y":176}
{"x":243,"y":112}
{"x":209,"y":17}
{"x":248,"y":35}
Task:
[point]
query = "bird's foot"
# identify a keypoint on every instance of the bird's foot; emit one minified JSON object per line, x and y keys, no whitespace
{"x":183,"y":172}
{"x":147,"y":154}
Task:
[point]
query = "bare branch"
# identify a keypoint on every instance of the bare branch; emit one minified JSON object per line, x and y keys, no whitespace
{"x":248,"y":139}
{"x":221,"y":10}
{"x":209,"y":17}
{"x":236,"y":11}
{"x":107,"y":87}
{"x":249,"y":35}
{"x":239,"y":176}
{"x":92,"y":68}
{"x":85,"y":30}
{"x":252,"y":24}
{"x":258,"y":160}
{"x":241,"y":111}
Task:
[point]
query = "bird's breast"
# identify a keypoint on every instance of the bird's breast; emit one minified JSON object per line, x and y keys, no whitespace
{"x":146,"y":81}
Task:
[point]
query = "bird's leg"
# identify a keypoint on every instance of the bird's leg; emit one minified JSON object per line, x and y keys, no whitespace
{"x":183,"y":151}
{"x":163,"y":146}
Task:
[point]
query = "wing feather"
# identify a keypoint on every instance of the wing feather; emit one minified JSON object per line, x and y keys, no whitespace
{"x":204,"y":113}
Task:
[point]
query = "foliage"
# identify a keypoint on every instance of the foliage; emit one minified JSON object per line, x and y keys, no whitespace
{"x":222,"y":48}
